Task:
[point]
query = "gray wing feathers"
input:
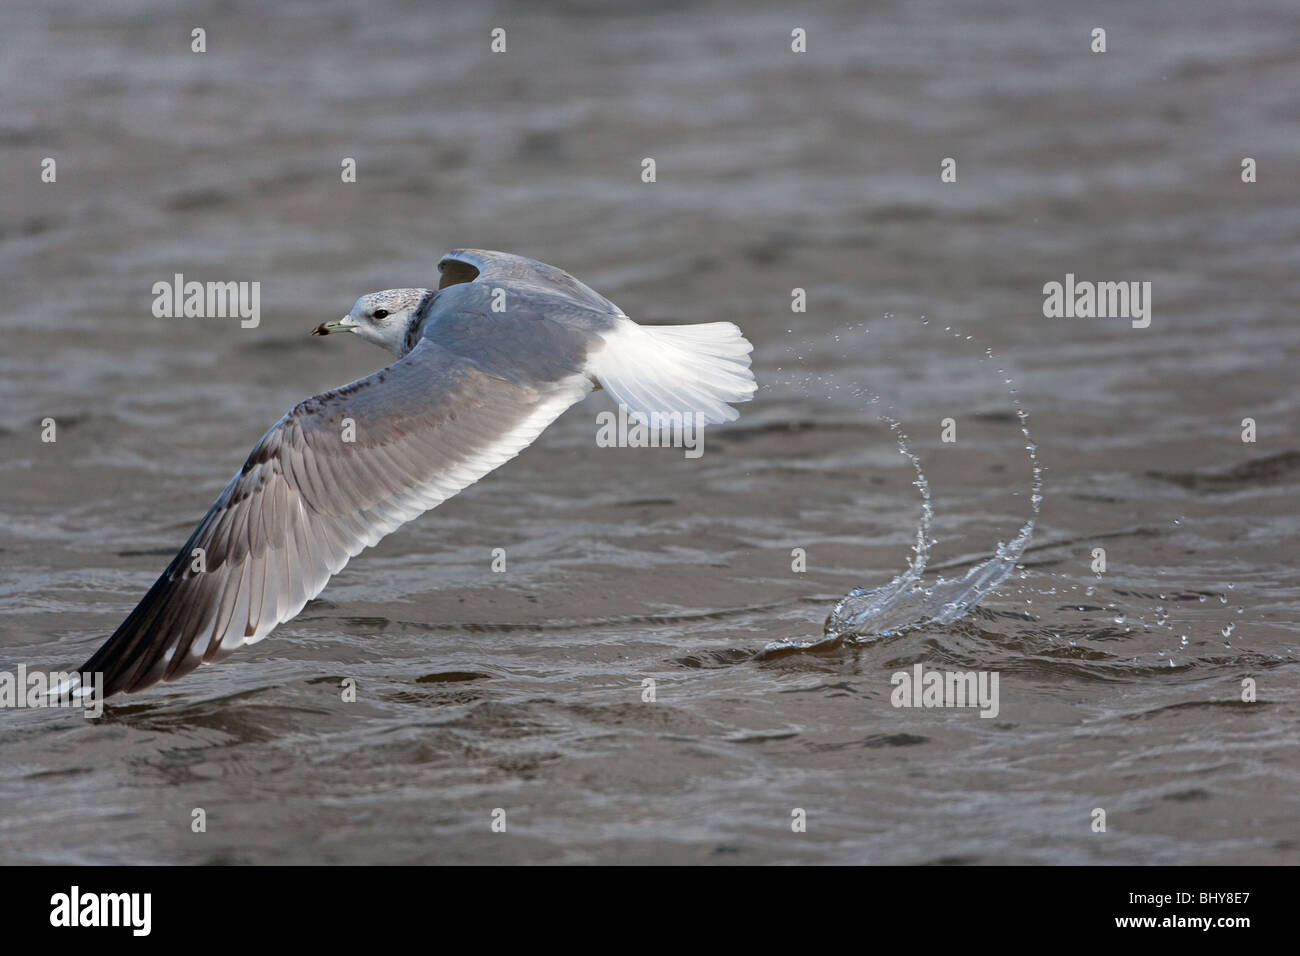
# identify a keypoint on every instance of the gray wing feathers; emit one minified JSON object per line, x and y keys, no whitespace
{"x":307,"y":500}
{"x":469,"y":265}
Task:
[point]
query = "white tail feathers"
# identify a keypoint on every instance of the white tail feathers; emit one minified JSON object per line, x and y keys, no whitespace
{"x":664,"y":369}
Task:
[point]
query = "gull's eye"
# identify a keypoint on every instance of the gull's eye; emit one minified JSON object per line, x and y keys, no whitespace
{"x":381,"y":313}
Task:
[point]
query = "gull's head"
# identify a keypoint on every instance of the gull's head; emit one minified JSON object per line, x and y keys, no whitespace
{"x":380,"y":317}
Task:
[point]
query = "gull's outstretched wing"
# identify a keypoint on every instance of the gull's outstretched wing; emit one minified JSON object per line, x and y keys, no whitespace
{"x":308,"y":499}
{"x":519,"y":272}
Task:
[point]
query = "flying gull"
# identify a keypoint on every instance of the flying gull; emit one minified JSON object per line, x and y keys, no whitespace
{"x":484,"y":363}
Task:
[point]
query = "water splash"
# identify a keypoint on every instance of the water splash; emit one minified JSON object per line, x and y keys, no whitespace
{"x":906,"y":603}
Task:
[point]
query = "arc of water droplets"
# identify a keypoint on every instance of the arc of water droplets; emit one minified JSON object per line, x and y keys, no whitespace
{"x":904,"y":603}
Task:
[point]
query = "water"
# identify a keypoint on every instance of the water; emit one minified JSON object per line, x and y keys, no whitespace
{"x":524,"y":691}
{"x":906,"y":602}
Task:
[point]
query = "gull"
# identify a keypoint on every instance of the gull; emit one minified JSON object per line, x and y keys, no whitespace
{"x":484,"y":363}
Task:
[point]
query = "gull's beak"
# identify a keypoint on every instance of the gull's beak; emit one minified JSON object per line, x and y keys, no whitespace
{"x":345,"y":324}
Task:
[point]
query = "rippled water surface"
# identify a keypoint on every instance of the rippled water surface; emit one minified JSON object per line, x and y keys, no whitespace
{"x":524,"y":690}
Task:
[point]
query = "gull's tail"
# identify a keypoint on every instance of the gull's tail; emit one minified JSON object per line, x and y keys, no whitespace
{"x":668,"y":369}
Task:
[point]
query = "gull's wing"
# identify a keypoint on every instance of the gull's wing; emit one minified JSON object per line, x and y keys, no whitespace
{"x":307,"y":500}
{"x":467,"y":265}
